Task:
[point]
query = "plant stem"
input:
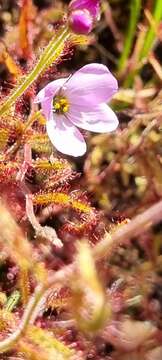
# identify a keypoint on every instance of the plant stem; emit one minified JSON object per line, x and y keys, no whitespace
{"x":133,"y":20}
{"x":150,"y":36}
{"x":51,"y":53}
{"x":138,"y":225}
{"x":59,"y":276}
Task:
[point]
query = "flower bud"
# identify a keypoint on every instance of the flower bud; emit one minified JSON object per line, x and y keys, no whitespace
{"x":81,"y":22}
{"x":91,"y":5}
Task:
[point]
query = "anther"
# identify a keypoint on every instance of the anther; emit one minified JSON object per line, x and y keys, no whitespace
{"x":60,"y":105}
{"x":65,"y":108}
{"x":57,"y":106}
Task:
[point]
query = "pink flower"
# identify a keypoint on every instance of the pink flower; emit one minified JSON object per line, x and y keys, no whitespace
{"x":91,"y":5}
{"x":81,"y":22}
{"x":82,"y":14}
{"x":78,"y":102}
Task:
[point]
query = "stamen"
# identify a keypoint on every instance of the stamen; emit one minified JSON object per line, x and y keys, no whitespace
{"x":65,"y":108}
{"x":57,"y":106}
{"x":60,"y":105}
{"x":63,"y":101}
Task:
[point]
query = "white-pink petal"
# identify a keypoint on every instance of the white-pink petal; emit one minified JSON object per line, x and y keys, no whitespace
{"x":101,"y":119}
{"x":87,"y":92}
{"x":91,"y":85}
{"x":50,"y":90}
{"x":65,"y":136}
{"x":45,"y":96}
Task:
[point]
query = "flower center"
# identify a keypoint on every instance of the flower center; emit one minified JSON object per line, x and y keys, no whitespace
{"x":60,"y":104}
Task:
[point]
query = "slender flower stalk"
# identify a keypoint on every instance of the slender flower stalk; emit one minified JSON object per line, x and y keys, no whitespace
{"x":135,"y":8}
{"x":137,"y":226}
{"x":61,"y":276}
{"x":53,"y":50}
{"x":150,"y":36}
{"x":79,"y":23}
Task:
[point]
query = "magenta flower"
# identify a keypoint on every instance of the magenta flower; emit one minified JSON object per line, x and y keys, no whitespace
{"x":81,"y":22}
{"x":91,"y":5}
{"x":78,"y":102}
{"x":82,"y":14}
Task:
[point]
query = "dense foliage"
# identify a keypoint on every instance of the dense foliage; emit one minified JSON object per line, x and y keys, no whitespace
{"x":81,"y":238}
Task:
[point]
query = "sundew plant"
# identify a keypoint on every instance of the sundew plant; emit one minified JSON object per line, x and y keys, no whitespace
{"x":80,"y":180}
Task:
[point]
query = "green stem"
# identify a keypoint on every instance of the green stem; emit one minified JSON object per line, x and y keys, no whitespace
{"x":137,"y":226}
{"x":150,"y":36}
{"x":133,"y":20}
{"x":13,"y":339}
{"x":61,"y":276}
{"x":51,"y":53}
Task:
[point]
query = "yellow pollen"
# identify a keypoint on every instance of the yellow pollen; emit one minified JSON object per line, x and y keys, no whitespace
{"x":57,"y":106}
{"x":63,"y":101}
{"x":60,"y":105}
{"x":65,"y":108}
